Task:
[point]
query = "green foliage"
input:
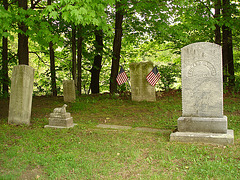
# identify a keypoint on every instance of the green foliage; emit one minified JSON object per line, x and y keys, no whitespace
{"x":84,"y":12}
{"x":236,"y":88}
{"x":152,"y":30}
{"x":170,"y":75}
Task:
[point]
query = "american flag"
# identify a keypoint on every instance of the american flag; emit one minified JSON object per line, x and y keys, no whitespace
{"x":121,"y":77}
{"x":153,"y":77}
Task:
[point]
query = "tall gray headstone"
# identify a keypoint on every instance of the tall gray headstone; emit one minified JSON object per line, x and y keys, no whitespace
{"x":20,"y":105}
{"x":141,"y":89}
{"x":202,"y":96}
{"x":69,"y":91}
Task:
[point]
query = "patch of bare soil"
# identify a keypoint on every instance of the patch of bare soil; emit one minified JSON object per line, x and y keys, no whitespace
{"x":171,"y":92}
{"x":32,"y":174}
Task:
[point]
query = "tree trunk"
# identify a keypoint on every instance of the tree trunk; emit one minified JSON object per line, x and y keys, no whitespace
{"x":227,"y":51}
{"x":79,"y":61}
{"x":74,"y":53}
{"x":52,"y":69}
{"x":5,"y":77}
{"x":52,"y":64}
{"x":23,"y":55}
{"x":231,"y":79}
{"x":97,"y":65}
{"x":217,"y":16}
{"x":116,"y":47}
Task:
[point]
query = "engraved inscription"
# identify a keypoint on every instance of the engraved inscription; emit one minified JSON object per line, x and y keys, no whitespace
{"x":195,"y":67}
{"x":201,"y":80}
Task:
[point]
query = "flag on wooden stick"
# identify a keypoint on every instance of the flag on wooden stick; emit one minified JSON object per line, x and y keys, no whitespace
{"x":153,"y":77}
{"x":121,"y":77}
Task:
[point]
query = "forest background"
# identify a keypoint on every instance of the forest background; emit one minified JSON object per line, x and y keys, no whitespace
{"x":87,"y":40}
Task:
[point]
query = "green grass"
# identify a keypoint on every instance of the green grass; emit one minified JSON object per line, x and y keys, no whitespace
{"x":87,"y":152}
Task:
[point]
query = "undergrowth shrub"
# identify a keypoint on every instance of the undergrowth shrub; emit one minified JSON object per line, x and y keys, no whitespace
{"x":170,"y":75}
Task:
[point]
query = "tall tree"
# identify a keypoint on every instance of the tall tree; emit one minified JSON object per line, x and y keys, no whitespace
{"x":217,"y":14}
{"x":74,"y":49}
{"x":52,"y":69}
{"x":82,"y":13}
{"x":227,"y":50}
{"x":116,"y":46}
{"x":23,"y":52}
{"x":52,"y":63}
{"x":5,"y":77}
{"x":79,"y":60}
{"x":97,"y":64}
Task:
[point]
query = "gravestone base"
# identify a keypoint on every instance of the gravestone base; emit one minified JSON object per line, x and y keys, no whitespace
{"x":60,"y":127}
{"x":65,"y":120}
{"x":203,"y":124}
{"x":60,"y":119}
{"x":209,"y":138}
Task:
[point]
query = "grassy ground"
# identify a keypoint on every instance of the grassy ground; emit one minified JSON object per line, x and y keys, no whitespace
{"x":87,"y":152}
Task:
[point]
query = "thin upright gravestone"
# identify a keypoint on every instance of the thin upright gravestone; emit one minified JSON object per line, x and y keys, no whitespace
{"x":69,"y":91}
{"x":20,"y":105}
{"x":141,"y":89}
{"x":202,"y":96}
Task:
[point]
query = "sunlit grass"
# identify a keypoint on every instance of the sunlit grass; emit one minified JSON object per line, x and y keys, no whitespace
{"x":88,"y":152}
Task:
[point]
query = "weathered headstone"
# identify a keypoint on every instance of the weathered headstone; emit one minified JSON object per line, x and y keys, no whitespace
{"x":141,"y":89}
{"x":60,"y":118}
{"x":69,"y":91}
{"x":20,"y":105}
{"x":202,"y":96}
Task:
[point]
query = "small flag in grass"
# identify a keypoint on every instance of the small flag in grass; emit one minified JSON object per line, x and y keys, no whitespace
{"x":122,"y":76}
{"x":153,"y":77}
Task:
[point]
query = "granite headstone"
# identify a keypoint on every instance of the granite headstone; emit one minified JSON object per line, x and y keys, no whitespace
{"x":141,"y":90}
{"x":202,"y":96}
{"x":69,"y":91}
{"x":20,"y":105}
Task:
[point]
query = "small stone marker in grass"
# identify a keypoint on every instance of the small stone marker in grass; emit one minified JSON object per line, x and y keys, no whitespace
{"x":141,"y":129}
{"x":20,"y":105}
{"x":202,"y":96}
{"x":60,"y":118}
{"x":69,"y":91}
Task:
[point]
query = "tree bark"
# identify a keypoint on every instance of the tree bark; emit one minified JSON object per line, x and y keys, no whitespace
{"x":52,"y":69}
{"x":23,"y":52}
{"x":116,"y":47}
{"x":217,"y":17}
{"x":52,"y":64}
{"x":74,"y":64}
{"x":227,"y":51}
{"x":79,"y":62}
{"x":231,"y":79}
{"x":5,"y":80}
{"x":97,"y":65}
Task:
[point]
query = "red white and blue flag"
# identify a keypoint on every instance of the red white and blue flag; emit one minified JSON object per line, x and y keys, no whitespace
{"x":121,"y":77}
{"x":153,"y":77}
